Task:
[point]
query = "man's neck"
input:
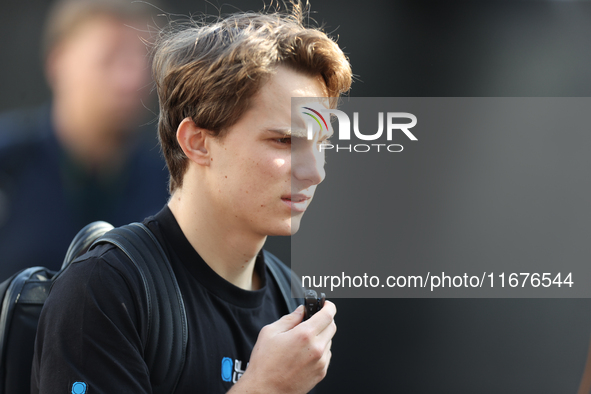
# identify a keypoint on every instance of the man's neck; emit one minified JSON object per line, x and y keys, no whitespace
{"x":224,"y":247}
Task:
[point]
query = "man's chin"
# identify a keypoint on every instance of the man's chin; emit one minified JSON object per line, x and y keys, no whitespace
{"x":295,"y":223}
{"x":288,"y":227}
{"x":287,"y":230}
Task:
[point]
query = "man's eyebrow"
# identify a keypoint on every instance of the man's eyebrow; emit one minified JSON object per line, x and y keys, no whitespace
{"x":286,"y":132}
{"x":298,"y":133}
{"x":289,"y":132}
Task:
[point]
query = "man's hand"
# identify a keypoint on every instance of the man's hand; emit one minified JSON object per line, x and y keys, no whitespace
{"x":290,"y":356}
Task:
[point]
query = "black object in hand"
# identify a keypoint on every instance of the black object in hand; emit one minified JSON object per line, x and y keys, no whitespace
{"x":313,"y":303}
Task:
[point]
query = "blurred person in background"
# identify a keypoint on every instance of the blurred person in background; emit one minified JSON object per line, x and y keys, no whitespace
{"x":81,"y":158}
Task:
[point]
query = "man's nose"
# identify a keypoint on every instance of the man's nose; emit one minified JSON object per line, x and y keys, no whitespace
{"x":307,"y":165}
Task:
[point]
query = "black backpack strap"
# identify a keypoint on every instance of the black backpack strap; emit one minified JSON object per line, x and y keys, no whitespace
{"x":166,"y":345}
{"x":83,"y":240}
{"x":81,"y":243}
{"x":288,"y":281}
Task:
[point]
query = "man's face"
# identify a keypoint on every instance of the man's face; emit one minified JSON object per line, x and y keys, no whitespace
{"x":101,"y":71}
{"x":262,"y":177}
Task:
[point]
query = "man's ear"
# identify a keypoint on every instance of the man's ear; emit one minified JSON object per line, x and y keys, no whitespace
{"x":194,"y":141}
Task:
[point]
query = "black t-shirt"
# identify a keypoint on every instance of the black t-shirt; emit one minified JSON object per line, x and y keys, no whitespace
{"x":90,"y":332}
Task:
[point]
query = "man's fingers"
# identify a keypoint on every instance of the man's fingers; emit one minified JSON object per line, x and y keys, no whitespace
{"x":323,"y":318}
{"x":327,"y":334}
{"x":325,"y":359}
{"x":288,"y":322}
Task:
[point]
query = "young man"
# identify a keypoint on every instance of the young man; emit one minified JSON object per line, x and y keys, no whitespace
{"x":238,"y":173}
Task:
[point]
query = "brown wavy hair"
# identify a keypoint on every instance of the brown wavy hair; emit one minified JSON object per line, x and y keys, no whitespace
{"x":209,"y":71}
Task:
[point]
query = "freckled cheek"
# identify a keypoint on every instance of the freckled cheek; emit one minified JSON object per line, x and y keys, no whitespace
{"x":252,"y":180}
{"x":266,"y":182}
{"x":276,"y":169}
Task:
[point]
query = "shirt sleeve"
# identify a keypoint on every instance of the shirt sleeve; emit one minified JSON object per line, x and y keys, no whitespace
{"x":89,"y":338}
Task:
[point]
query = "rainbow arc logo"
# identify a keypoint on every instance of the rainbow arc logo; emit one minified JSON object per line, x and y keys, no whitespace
{"x":315,"y":118}
{"x":387,"y":124}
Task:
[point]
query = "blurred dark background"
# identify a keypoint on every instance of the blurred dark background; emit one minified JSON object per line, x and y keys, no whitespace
{"x":417,"y":48}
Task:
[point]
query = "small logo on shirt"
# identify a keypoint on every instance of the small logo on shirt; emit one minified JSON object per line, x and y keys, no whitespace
{"x":79,"y":388}
{"x":227,"y":369}
{"x":232,"y":370}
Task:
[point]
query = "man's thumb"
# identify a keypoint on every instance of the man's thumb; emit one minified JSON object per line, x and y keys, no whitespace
{"x":288,"y":322}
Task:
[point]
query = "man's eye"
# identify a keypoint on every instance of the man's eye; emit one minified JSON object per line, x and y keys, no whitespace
{"x":284,"y":140}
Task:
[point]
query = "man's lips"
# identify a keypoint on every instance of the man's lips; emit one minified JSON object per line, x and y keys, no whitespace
{"x":296,"y":202}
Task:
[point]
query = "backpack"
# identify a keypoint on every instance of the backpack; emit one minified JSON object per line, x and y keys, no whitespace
{"x":22,"y":297}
